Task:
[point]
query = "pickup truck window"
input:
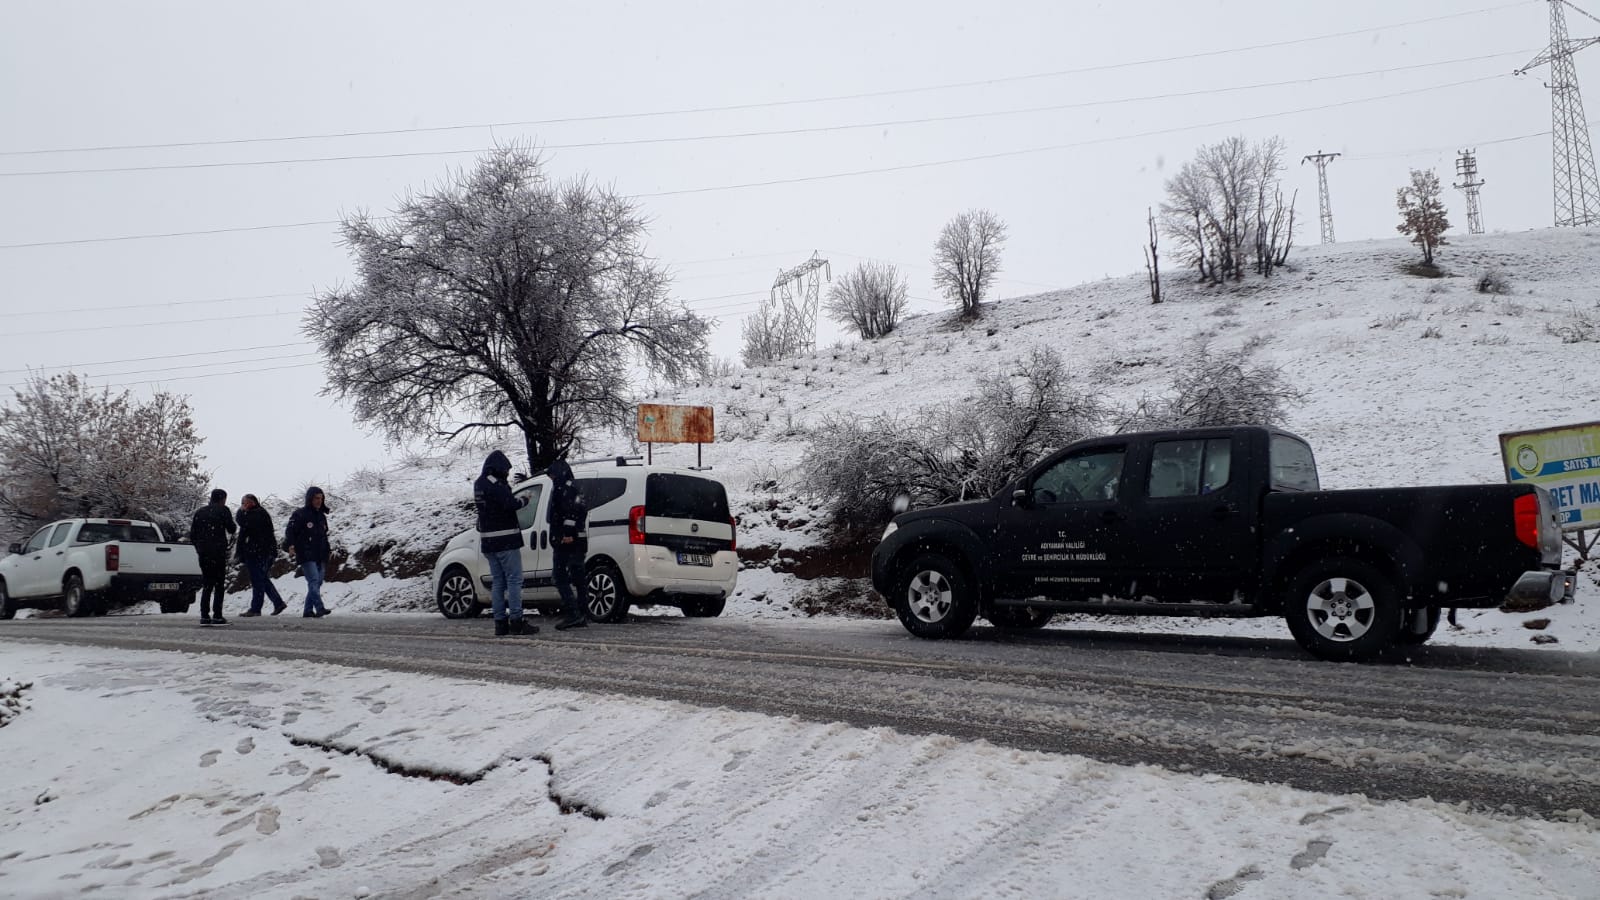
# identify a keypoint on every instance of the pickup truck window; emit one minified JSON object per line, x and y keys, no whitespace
{"x":36,"y":543}
{"x":1293,"y":467}
{"x":528,"y":516}
{"x":1189,"y":468}
{"x":101,"y":532}
{"x":61,"y":534}
{"x":1090,"y":475}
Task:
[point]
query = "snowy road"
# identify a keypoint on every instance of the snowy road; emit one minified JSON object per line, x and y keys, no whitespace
{"x":1502,"y":729}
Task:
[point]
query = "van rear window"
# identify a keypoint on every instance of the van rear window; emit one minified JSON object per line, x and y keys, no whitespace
{"x":671,"y":496}
{"x":100,"y":533}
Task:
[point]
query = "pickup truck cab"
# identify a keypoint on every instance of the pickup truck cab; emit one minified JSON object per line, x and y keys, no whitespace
{"x":1219,"y":522}
{"x":81,"y":565}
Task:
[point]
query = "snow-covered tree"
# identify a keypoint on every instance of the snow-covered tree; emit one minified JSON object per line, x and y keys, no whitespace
{"x":1211,"y":387}
{"x":69,"y":449}
{"x":502,"y":300}
{"x":870,"y":298}
{"x":1422,"y":213}
{"x":1226,"y":211}
{"x":956,"y":451}
{"x":966,"y":258}
{"x":765,"y":334}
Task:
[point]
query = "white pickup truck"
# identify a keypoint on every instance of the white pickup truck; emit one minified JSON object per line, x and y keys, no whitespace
{"x":81,"y":565}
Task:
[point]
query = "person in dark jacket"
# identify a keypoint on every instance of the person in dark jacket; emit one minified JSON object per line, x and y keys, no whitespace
{"x":306,"y":539}
{"x":209,"y":532}
{"x":258,"y":549}
{"x":568,"y":517}
{"x":500,"y":540}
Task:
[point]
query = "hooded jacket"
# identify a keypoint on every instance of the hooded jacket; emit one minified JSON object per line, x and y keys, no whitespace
{"x":498,"y":528}
{"x":568,"y":513}
{"x":307,"y":532}
{"x":210,"y":529}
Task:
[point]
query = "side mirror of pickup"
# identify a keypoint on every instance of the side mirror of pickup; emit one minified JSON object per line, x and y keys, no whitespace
{"x":1022,"y":497}
{"x":14,"y":549}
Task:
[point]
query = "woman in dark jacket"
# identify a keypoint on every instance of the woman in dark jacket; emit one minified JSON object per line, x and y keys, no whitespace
{"x":258,"y":550}
{"x":306,"y":539}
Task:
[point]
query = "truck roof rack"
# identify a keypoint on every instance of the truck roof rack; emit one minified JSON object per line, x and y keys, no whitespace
{"x":619,"y":460}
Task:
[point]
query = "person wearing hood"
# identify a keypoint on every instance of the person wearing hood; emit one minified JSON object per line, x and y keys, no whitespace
{"x":306,"y":539}
{"x":500,"y":540}
{"x":209,"y":532}
{"x":568,"y":517}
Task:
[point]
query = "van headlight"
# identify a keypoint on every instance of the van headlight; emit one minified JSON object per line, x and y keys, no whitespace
{"x":891,"y":528}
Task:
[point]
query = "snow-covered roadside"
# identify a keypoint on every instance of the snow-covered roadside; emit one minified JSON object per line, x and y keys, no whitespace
{"x":155,"y":774}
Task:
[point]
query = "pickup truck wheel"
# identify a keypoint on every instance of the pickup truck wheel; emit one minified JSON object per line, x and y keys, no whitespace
{"x":1343,"y":609}
{"x":179,"y":605}
{"x":1409,"y":636}
{"x":456,"y":598}
{"x":8,"y":609}
{"x":74,"y":599}
{"x":934,"y":599}
{"x":606,"y":595}
{"x":1019,"y":618}
{"x":708,"y":608}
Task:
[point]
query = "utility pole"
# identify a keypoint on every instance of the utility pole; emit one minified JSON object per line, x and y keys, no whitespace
{"x":1467,"y":168}
{"x":799,"y":291}
{"x":1323,"y":205}
{"x":1577,"y":191}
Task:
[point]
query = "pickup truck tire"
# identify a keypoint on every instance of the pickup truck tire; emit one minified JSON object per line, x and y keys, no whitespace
{"x":1019,"y":618}
{"x":1343,"y":609}
{"x":934,"y":598}
{"x":8,"y":610}
{"x":180,"y":605}
{"x":706,"y":608}
{"x":1408,"y":636}
{"x":455,"y":597}
{"x":605,"y":594}
{"x":74,"y":599}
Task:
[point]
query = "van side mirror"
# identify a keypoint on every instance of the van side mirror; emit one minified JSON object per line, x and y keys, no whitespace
{"x":14,"y":549}
{"x":1022,"y":497}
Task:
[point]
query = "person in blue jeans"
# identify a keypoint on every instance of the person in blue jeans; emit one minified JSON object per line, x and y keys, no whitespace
{"x":258,"y":550}
{"x":306,"y":539}
{"x":500,"y":540}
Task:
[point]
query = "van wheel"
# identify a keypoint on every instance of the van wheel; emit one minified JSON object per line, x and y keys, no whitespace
{"x":455,"y":596}
{"x":74,"y":599}
{"x":1343,"y":609}
{"x":1019,"y":618}
{"x":8,"y":609}
{"x":606,"y":595}
{"x":708,"y":608}
{"x":1409,"y":636}
{"x":934,"y":599}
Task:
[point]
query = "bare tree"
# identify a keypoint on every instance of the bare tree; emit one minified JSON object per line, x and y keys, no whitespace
{"x":1422,"y":213}
{"x":1226,"y":211}
{"x":870,"y":298}
{"x":501,"y":300}
{"x":1152,"y":258}
{"x":966,"y":258}
{"x":765,"y":333}
{"x":69,"y":449}
{"x":1211,"y":387}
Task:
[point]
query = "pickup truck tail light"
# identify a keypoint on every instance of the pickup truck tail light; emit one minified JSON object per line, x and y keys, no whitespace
{"x":113,"y":557}
{"x":1525,"y":510}
{"x":636,"y":525}
{"x":733,"y":533}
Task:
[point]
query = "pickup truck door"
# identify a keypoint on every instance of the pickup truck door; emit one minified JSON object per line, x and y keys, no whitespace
{"x":1068,"y":538}
{"x":28,"y":577}
{"x":537,"y":581}
{"x":1195,"y":519}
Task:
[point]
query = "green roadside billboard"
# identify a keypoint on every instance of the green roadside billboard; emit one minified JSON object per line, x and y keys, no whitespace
{"x":1565,"y":461}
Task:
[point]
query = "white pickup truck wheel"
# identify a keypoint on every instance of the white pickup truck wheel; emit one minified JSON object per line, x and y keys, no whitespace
{"x":74,"y":599}
{"x":8,"y":610}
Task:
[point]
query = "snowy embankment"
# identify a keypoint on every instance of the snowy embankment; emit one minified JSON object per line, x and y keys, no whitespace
{"x":141,"y":774}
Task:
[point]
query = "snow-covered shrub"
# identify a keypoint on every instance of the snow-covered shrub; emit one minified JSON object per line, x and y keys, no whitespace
{"x":1578,"y":328}
{"x":12,"y":702}
{"x":1213,"y":388}
{"x":955,"y":451}
{"x":1494,"y":281}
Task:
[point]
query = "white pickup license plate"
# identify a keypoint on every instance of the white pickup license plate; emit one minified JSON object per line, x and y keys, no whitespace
{"x":162,"y":586}
{"x":694,"y":559}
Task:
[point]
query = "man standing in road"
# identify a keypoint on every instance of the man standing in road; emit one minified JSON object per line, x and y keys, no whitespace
{"x":209,"y":531}
{"x":568,"y":517}
{"x":500,"y":540}
{"x":306,"y":539}
{"x":257,"y":550}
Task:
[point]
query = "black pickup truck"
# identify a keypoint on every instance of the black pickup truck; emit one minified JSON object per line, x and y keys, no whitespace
{"x":1219,"y":522}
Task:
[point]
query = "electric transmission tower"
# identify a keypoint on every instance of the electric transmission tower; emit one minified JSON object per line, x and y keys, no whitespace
{"x":1577,"y":192}
{"x":799,"y":291}
{"x":1467,"y":168}
{"x":1323,"y":205}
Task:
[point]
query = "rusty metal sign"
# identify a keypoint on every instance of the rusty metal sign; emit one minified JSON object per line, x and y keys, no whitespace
{"x":662,"y":424}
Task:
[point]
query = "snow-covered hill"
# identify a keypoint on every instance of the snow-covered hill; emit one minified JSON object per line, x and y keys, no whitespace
{"x":1408,"y":380}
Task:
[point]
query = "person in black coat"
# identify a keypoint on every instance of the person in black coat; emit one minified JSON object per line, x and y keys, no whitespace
{"x":209,"y":532}
{"x":568,"y":517}
{"x":258,"y":549}
{"x":500,"y":541}
{"x":306,"y":539}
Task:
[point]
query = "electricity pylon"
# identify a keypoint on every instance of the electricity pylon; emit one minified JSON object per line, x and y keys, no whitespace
{"x":800,"y":292}
{"x":1323,"y":205}
{"x":1577,"y":192}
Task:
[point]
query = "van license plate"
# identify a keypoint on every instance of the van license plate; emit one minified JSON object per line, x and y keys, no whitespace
{"x":694,"y":559}
{"x":163,"y":585}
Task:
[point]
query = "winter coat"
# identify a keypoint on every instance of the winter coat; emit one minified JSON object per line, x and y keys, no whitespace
{"x":498,"y":528}
{"x":210,"y":529}
{"x":256,"y":537}
{"x":568,"y":513}
{"x":307,"y":532}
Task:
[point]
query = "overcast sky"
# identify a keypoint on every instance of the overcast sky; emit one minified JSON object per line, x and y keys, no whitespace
{"x":1384,"y":90}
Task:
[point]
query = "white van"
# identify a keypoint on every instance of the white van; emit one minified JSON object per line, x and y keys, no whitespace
{"x":657,"y":536}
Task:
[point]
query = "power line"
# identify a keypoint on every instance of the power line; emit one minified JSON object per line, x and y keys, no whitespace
{"x":169,"y":234}
{"x":781,"y":132}
{"x":152,"y":324}
{"x":128,"y":384}
{"x":201,"y":365}
{"x":81,"y":309}
{"x":136,"y":359}
{"x":793,"y":102}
